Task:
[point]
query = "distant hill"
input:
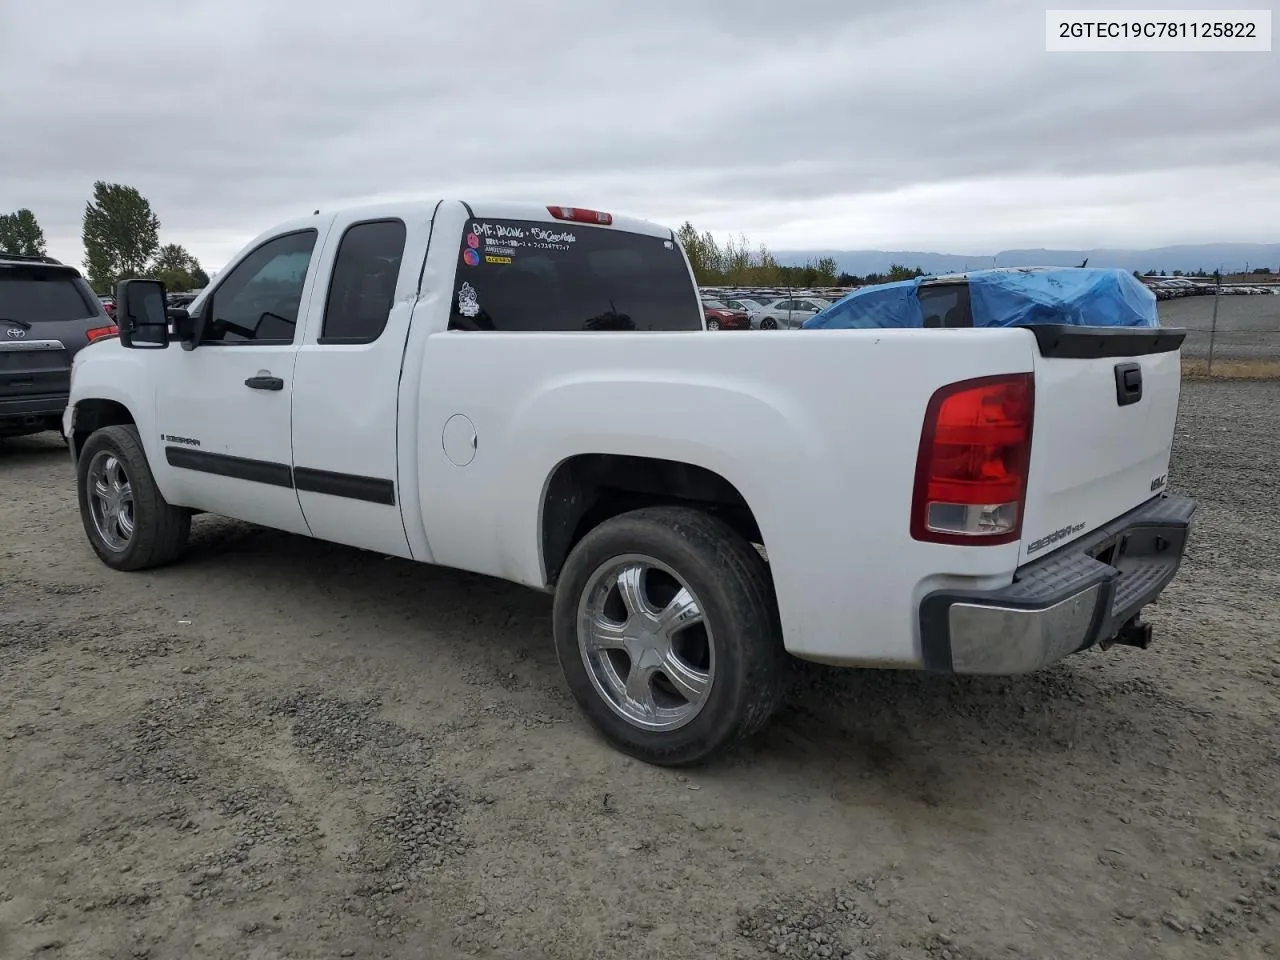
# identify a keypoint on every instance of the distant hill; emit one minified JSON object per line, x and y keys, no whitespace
{"x":1231,"y":257}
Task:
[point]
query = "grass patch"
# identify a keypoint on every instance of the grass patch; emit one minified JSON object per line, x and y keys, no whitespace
{"x":1232,"y":369}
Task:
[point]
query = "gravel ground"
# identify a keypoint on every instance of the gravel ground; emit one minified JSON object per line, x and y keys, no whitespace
{"x":1248,"y":327}
{"x":284,"y":749}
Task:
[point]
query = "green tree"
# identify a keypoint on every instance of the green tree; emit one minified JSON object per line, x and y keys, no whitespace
{"x":827,"y":271}
{"x":177,"y":269}
{"x":898,"y":272}
{"x":738,"y":263}
{"x":120,"y":235}
{"x":20,"y":233}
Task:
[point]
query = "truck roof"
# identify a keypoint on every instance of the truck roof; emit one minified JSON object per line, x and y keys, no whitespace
{"x":490,"y":209}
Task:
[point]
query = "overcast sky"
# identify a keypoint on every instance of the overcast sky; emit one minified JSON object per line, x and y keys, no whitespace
{"x":803,"y":124}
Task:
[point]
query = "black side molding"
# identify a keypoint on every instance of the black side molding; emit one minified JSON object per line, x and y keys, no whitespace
{"x":1094,"y":343}
{"x":348,"y":485}
{"x":223,"y":465}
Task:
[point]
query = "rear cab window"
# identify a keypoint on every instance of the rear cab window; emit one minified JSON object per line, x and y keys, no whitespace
{"x":945,"y":304}
{"x":45,"y":294}
{"x":532,"y":276}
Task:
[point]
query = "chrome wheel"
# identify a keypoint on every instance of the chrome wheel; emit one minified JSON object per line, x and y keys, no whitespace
{"x":110,"y":501}
{"x":713,"y":324}
{"x":645,"y":643}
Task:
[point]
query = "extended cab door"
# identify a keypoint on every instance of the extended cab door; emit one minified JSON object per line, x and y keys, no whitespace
{"x":223,"y":407}
{"x":347,"y":381}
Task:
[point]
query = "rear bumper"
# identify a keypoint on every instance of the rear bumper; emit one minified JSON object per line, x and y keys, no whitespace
{"x":1089,"y":592}
{"x":45,"y":406}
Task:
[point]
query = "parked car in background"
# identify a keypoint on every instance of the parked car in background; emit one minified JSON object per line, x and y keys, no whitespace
{"x":720,"y":316}
{"x":748,"y":305}
{"x":788,"y":313}
{"x":109,"y":305}
{"x":48,"y":313}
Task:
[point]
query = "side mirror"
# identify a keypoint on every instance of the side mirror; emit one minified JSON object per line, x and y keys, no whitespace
{"x":181,"y":326}
{"x":140,"y":314}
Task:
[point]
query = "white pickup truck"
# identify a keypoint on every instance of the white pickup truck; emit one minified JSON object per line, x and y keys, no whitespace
{"x":530,"y":393}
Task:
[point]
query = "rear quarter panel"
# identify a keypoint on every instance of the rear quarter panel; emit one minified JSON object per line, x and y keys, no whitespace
{"x":819,"y":431}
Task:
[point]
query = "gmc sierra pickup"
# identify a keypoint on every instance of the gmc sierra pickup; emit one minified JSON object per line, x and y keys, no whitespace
{"x":530,"y":392}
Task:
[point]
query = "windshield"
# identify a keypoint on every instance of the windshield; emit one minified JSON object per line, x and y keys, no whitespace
{"x":526,"y":276}
{"x":35,"y":295}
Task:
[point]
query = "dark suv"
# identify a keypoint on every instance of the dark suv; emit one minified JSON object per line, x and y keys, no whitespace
{"x":47,"y":314}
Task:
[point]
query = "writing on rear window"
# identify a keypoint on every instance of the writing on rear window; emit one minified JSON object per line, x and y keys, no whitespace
{"x":505,"y":238}
{"x":520,"y":275}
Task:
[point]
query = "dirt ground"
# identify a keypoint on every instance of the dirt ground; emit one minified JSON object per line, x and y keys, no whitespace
{"x":283,"y":749}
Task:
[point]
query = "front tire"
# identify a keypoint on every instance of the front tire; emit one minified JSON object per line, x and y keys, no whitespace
{"x":768,"y":323}
{"x":667,"y":631}
{"x":129,"y":523}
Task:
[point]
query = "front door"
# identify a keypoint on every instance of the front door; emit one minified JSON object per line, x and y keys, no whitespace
{"x":224,"y":408}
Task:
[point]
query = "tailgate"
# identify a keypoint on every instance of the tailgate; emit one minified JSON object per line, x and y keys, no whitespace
{"x":33,"y":368}
{"x":1106,"y":401}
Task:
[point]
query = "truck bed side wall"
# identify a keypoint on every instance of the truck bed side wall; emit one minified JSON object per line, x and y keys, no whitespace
{"x":818,"y":431}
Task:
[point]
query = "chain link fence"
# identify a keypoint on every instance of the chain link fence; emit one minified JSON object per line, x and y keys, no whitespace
{"x":1243,"y":340}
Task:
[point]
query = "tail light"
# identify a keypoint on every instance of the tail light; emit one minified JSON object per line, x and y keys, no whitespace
{"x":579,"y":215}
{"x":971,"y":471}
{"x":97,"y":333}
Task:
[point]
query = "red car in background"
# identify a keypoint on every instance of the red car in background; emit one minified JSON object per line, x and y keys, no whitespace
{"x":721,"y":317}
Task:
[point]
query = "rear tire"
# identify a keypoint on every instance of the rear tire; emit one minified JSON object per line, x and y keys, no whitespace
{"x":129,"y":523}
{"x":678,"y":690}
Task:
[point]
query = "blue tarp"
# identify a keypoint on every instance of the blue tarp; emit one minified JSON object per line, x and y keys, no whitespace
{"x":1012,"y":297}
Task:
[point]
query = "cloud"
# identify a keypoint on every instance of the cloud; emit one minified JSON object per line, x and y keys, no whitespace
{"x":808,"y":123}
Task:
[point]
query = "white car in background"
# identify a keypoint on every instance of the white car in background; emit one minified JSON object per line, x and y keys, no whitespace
{"x":747,"y":305}
{"x":787,"y":314}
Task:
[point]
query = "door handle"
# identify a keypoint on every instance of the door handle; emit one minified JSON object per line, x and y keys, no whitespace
{"x":1128,"y":383}
{"x":264,"y":383}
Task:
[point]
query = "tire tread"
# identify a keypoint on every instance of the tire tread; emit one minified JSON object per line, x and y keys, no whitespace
{"x":161,"y":530}
{"x":743,"y":575}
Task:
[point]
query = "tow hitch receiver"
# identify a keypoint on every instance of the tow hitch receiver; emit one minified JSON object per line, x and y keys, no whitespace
{"x":1135,"y":633}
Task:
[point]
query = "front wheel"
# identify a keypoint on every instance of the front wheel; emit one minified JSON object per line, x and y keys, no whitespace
{"x":129,"y":523}
{"x":713,"y":324}
{"x":768,"y":323}
{"x":667,"y":632}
